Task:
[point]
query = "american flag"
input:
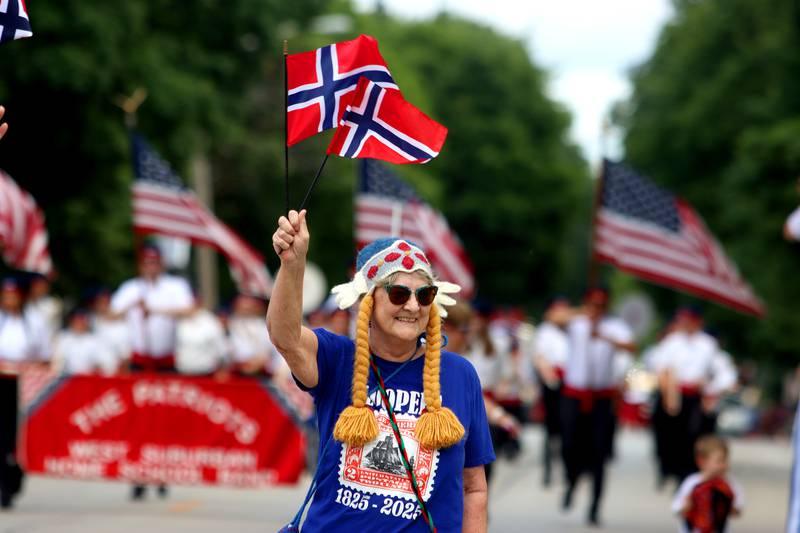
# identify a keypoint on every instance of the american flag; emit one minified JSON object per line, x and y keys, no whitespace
{"x":14,"y":23}
{"x":388,"y":207}
{"x":161,"y":204}
{"x":23,"y":235}
{"x":643,"y":229}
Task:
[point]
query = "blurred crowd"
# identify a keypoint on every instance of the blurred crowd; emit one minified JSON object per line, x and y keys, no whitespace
{"x":576,"y":372}
{"x":92,"y":337}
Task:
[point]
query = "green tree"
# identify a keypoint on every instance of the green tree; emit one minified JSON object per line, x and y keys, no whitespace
{"x":213,"y":75}
{"x":714,"y":118}
{"x":508,"y":180}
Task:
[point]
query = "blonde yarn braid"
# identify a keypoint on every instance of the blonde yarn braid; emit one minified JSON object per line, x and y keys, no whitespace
{"x":356,"y":425}
{"x":438,"y":427}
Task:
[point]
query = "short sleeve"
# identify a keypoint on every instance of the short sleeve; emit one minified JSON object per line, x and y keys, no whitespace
{"x":622,"y":332}
{"x":683,"y":493}
{"x":332,"y":352}
{"x":124,"y":297}
{"x":478,"y":448}
{"x":183,"y":294}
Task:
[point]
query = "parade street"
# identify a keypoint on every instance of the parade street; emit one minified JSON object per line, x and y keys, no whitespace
{"x":518,"y":501}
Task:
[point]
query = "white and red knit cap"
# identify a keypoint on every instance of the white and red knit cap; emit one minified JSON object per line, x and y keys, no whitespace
{"x":382,"y":258}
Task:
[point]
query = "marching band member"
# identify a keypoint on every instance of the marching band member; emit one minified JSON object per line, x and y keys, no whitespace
{"x":550,"y":356}
{"x":693,"y":373}
{"x":587,"y":414}
{"x":152,"y":303}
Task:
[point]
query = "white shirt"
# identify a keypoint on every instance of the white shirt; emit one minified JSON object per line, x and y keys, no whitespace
{"x":688,"y":485}
{"x":83,"y":353}
{"x":696,"y":359}
{"x":793,"y":224}
{"x":153,"y":336}
{"x":49,"y":311}
{"x":487,"y":366}
{"x":116,"y":334}
{"x":551,"y":344}
{"x":590,"y":361}
{"x":250,"y":338}
{"x":201,"y":345}
{"x":23,"y":338}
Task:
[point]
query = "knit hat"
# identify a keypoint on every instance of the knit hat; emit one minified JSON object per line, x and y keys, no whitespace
{"x":438,"y":426}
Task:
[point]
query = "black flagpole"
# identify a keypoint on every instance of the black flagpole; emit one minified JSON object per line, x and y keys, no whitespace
{"x":286,"y":127}
{"x":314,"y":183}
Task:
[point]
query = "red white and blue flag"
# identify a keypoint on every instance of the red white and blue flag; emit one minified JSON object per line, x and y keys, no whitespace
{"x":386,"y":206}
{"x":378,"y":123}
{"x":318,"y":79}
{"x":23,"y":235}
{"x":647,"y":231}
{"x":14,"y":23}
{"x":162,"y":205}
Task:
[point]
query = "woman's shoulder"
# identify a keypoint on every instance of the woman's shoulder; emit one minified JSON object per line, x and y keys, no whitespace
{"x":331,"y":341}
{"x":457,"y":363}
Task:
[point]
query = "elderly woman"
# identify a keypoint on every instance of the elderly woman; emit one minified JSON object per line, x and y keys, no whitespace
{"x":417,"y":465}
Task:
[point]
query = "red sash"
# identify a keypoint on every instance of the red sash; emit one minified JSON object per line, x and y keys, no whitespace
{"x":587,"y":397}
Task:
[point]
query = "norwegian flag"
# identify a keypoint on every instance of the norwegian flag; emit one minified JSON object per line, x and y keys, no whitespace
{"x":23,"y":235}
{"x":378,"y":123}
{"x":318,"y":79}
{"x":162,"y":205}
{"x":14,"y":23}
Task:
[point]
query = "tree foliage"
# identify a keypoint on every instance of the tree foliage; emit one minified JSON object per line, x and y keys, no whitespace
{"x":714,"y":117}
{"x":508,"y":180}
{"x":510,"y":183}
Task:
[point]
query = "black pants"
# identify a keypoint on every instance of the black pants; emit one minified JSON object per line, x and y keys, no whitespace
{"x":586,"y":439}
{"x":692,"y":423}
{"x":140,"y":488}
{"x":10,"y":473}
{"x":551,"y":399}
{"x":665,"y":432}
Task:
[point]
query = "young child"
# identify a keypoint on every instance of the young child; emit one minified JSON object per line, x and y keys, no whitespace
{"x":706,"y":499}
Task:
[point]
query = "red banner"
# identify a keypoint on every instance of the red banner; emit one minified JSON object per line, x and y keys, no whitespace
{"x":162,"y":429}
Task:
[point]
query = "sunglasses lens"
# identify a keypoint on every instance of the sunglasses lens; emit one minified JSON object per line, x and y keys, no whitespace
{"x":425,"y":295}
{"x":398,"y":294}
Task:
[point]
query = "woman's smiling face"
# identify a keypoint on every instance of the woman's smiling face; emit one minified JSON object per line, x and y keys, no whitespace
{"x":401,"y":322}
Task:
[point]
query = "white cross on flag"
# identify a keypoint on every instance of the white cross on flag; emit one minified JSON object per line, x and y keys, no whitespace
{"x":14,"y":23}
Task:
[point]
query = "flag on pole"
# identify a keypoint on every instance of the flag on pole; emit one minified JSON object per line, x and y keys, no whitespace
{"x":388,"y":207}
{"x":23,"y":235}
{"x":162,"y":205}
{"x":318,"y":79}
{"x":14,"y":23}
{"x":378,"y":123}
{"x":644,"y":230}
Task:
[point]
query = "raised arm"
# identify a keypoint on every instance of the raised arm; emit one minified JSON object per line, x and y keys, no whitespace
{"x":3,"y":125}
{"x":296,"y":343}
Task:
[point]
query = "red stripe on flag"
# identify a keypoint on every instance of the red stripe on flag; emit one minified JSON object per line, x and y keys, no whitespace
{"x":22,"y":230}
{"x":691,"y":261}
{"x":177,"y":213}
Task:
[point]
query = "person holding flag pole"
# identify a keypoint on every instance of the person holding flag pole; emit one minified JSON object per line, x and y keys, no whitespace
{"x":3,"y":125}
{"x":403,"y":430}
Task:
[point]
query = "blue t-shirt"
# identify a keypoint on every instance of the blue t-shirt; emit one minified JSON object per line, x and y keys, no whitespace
{"x":368,"y":486}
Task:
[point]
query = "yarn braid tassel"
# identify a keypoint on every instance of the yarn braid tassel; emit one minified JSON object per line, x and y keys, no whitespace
{"x":356,"y":425}
{"x":438,"y":427}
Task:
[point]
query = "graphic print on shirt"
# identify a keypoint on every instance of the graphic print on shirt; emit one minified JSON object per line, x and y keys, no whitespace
{"x":377,"y":467}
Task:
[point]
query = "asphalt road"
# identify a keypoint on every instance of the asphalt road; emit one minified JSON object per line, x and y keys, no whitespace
{"x":518,"y":501}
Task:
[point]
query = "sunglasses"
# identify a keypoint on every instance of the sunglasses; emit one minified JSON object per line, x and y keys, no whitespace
{"x":399,"y":294}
